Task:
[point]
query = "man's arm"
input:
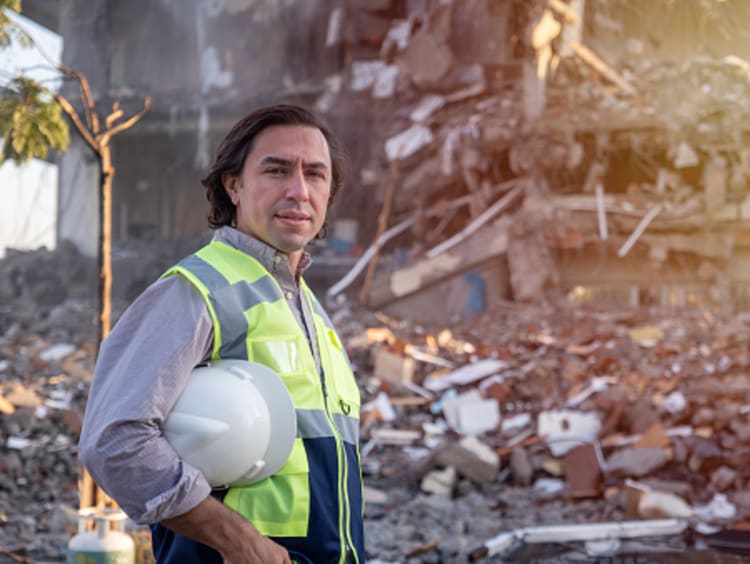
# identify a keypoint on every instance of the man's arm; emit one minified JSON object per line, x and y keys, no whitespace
{"x":229,"y":533}
{"x":143,"y":366}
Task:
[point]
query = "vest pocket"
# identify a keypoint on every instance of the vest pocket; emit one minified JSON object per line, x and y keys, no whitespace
{"x":283,"y":355}
{"x":344,"y":382}
{"x":278,"y":506}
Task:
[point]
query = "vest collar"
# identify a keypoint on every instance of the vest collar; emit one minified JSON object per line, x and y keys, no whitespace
{"x":273,"y":260}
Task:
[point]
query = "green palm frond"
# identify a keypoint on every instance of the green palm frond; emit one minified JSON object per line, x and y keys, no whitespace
{"x":30,"y":121}
{"x":6,"y":24}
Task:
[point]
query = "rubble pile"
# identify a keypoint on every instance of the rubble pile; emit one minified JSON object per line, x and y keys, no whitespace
{"x":519,"y":416}
{"x":43,"y":387}
{"x":48,"y":342}
{"x":551,"y":415}
{"x":538,"y":159}
{"x":38,"y":288}
{"x":44,"y":380}
{"x":48,"y":317}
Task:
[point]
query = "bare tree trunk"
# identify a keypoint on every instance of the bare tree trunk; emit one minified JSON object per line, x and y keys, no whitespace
{"x":99,"y":140}
{"x":105,"y":244}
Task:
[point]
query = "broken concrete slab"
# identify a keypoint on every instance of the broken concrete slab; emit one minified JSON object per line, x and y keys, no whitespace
{"x":467,"y":463}
{"x":488,"y":242}
{"x":634,"y":462}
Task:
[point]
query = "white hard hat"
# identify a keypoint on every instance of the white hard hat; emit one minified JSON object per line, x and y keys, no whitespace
{"x":235,"y":422}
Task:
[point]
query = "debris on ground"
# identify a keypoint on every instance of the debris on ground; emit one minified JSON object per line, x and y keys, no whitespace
{"x":524,"y":415}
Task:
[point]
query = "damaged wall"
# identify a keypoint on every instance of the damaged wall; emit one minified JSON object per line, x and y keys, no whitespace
{"x":204,"y":64}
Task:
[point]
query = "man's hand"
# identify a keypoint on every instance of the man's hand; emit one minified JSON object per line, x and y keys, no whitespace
{"x":214,"y":524}
{"x":258,"y":551}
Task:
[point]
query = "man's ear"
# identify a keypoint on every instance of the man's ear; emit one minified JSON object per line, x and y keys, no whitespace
{"x":231,"y":185}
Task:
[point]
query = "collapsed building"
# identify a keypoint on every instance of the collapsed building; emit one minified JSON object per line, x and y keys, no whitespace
{"x":533,"y":151}
{"x":499,"y":150}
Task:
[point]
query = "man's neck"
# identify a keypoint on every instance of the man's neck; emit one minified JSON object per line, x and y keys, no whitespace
{"x":294,"y":259}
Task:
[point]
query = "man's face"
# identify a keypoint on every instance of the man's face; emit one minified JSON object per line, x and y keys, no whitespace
{"x":283,"y":189}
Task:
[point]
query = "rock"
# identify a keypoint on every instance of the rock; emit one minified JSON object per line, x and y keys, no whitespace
{"x":723,"y":478}
{"x":704,"y":416}
{"x":62,"y":518}
{"x":741,"y":430}
{"x":521,"y":468}
{"x":440,"y":482}
{"x":466,"y":463}
{"x":662,"y":505}
{"x":705,"y":454}
{"x":742,"y":500}
{"x":10,"y":464}
{"x":635,"y":462}
{"x":640,"y":417}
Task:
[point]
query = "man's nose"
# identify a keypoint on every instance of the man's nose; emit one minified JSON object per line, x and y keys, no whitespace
{"x":297,"y":188}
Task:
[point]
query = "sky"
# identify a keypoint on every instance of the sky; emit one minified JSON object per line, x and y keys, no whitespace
{"x":28,"y":194}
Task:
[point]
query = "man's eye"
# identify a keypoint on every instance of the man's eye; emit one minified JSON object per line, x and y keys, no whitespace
{"x":275,"y":170}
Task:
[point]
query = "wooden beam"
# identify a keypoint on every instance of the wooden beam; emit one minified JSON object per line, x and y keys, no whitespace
{"x":594,"y":61}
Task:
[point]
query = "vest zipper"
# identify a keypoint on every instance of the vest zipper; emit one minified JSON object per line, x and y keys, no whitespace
{"x":342,"y":463}
{"x":342,"y":473}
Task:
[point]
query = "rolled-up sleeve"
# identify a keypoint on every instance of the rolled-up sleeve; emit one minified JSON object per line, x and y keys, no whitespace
{"x":142,"y":368}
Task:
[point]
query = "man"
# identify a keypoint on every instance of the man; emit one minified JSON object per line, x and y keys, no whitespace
{"x":241,"y":296}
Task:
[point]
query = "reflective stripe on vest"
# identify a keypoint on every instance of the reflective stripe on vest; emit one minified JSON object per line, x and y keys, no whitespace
{"x":253,"y":321}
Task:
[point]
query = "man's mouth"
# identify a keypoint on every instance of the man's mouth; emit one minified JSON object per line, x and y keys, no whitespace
{"x":292,"y":216}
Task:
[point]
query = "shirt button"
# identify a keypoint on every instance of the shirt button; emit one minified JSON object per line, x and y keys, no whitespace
{"x":276,"y":259}
{"x":289,"y":295}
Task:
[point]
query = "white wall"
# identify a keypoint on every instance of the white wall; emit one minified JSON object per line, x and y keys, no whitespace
{"x":29,"y":206}
{"x":28,"y":194}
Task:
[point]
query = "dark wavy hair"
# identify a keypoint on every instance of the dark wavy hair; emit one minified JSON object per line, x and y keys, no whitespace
{"x":238,"y":143}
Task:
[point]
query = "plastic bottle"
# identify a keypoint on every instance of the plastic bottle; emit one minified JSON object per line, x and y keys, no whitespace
{"x":104,"y":544}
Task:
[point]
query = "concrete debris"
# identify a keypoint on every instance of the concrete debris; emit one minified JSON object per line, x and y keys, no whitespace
{"x":487,"y":436}
{"x":635,"y":462}
{"x":408,"y":142}
{"x":466,"y":462}
{"x":654,"y":502}
{"x":565,"y":429}
{"x":374,"y":75}
{"x":455,"y":115}
{"x":392,"y":366}
{"x":583,"y":471}
{"x":586,"y":454}
{"x":718,"y":510}
{"x":440,"y":481}
{"x":470,"y":414}
{"x":548,"y":488}
{"x":467,"y":374}
{"x":521,"y":468}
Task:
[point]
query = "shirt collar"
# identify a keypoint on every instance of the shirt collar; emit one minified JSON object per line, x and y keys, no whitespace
{"x":273,"y":260}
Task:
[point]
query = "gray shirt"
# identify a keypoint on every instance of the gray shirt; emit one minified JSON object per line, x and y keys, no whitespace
{"x":143,"y":366}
